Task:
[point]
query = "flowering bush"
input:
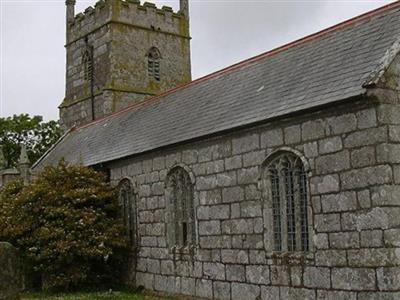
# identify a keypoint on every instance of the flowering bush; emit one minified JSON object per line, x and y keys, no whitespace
{"x":66,"y":225}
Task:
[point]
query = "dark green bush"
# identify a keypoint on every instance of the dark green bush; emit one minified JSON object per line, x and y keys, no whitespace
{"x":66,"y":225}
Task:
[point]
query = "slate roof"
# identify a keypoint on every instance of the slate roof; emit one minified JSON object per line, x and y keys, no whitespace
{"x":326,"y":67}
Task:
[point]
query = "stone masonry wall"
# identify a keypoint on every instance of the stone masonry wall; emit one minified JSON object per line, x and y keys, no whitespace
{"x":121,"y":33}
{"x":354,"y":156}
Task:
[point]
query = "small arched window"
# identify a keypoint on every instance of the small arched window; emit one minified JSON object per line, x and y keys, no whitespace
{"x":181,"y":223}
{"x":287,"y":206}
{"x":128,"y":209}
{"x":87,"y":60}
{"x":153,"y":63}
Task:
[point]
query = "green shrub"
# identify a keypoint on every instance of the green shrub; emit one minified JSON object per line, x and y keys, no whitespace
{"x":66,"y":225}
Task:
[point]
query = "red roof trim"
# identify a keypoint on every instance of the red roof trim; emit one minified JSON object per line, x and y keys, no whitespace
{"x":248,"y":61}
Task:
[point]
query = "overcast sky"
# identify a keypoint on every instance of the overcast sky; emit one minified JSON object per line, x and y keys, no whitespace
{"x":224,"y":32}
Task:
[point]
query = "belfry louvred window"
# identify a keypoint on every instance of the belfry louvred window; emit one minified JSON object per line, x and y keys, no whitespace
{"x":153,"y":63}
{"x":87,"y":61}
{"x":288,"y":195}
{"x":181,"y":210}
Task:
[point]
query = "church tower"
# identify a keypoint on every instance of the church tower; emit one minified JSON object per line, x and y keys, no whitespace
{"x":118,"y":53}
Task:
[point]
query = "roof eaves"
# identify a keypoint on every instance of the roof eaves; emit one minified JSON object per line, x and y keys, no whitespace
{"x":374,"y":77}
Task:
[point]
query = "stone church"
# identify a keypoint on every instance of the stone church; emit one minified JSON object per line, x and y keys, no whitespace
{"x":276,"y":178}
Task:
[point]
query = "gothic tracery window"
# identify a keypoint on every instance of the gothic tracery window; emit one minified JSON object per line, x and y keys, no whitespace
{"x":87,"y":61}
{"x":127,"y":205}
{"x":180,"y":206}
{"x":153,"y":63}
{"x":287,"y":192}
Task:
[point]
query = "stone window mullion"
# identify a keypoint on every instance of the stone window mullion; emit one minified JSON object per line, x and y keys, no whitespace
{"x":282,"y":192}
{"x":297,"y":201}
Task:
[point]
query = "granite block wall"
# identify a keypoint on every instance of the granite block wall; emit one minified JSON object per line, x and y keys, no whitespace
{"x":353,"y":154}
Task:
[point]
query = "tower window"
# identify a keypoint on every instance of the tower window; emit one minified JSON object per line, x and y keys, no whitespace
{"x":153,"y":63}
{"x":287,"y":201}
{"x":87,"y":64}
{"x":181,"y":231}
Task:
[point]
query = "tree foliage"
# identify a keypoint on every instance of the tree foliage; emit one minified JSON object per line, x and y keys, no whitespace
{"x":66,"y":225}
{"x":36,"y":134}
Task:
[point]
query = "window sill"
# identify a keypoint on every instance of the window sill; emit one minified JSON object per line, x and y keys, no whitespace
{"x":183,"y":250}
{"x":291,"y":258}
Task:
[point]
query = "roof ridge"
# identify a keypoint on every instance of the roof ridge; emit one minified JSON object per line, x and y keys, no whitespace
{"x":300,"y":41}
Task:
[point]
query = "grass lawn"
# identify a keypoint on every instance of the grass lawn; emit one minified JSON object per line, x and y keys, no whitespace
{"x":87,"y":296}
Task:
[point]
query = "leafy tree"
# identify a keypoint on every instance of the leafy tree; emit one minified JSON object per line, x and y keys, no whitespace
{"x":66,"y":225}
{"x":36,"y":134}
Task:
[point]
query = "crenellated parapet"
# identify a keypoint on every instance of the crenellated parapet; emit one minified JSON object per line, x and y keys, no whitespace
{"x":130,"y":13}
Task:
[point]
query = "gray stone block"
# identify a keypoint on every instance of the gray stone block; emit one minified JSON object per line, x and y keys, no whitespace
{"x":388,"y":114}
{"x":317,"y":277}
{"x":371,"y":238}
{"x":204,"y":288}
{"x":392,"y":237}
{"x":342,"y":123}
{"x":366,"y":137}
{"x":344,"y":240}
{"x":327,"y":222}
{"x":363,"y":157}
{"x":388,"y":278}
{"x":257,"y":257}
{"x":355,"y":279}
{"x":269,"y":292}
{"x":245,"y":144}
{"x":209,"y":227}
{"x":258,"y":274}
{"x":215,"y":271}
{"x":324,"y":184}
{"x":288,"y":293}
{"x":233,"y":194}
{"x":388,"y":195}
{"x":346,"y":201}
{"x":254,"y":158}
{"x":235,"y":273}
{"x":312,"y":130}
{"x":242,"y":291}
{"x":388,"y":153}
{"x":280,"y":275}
{"x":366,"y":118}
{"x":366,"y":177}
{"x":247,"y":176}
{"x":188,"y":286}
{"x":330,"y":145}
{"x":233,"y":163}
{"x":292,"y":134}
{"x":311,"y":150}
{"x":331,"y":258}
{"x":235,"y":256}
{"x":373,"y":257}
{"x":332,"y":163}
{"x":272,"y":138}
{"x":222,"y":290}
{"x":226,"y":179}
{"x":336,"y":295}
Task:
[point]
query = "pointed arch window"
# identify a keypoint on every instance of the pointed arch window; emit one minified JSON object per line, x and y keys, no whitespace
{"x":128,"y":209}
{"x":286,"y":193}
{"x":87,"y":60}
{"x":181,"y":223}
{"x":153,"y":63}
